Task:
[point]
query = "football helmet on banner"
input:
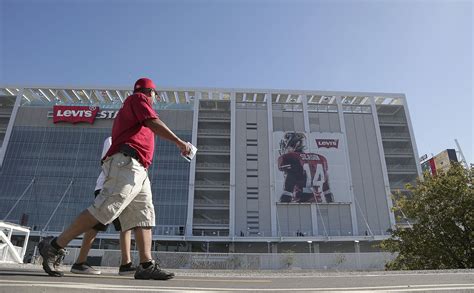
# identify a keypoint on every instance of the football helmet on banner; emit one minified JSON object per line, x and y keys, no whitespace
{"x":292,"y":142}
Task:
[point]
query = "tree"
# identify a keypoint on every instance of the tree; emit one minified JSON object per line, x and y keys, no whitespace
{"x":442,"y":232}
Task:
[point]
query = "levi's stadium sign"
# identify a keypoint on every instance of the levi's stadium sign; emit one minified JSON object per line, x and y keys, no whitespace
{"x":327,"y":143}
{"x":76,"y":114}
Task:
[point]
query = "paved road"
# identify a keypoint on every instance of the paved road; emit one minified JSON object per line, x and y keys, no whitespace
{"x":31,"y":279}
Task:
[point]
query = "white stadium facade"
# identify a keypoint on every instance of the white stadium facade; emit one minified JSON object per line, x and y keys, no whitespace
{"x":276,"y":170}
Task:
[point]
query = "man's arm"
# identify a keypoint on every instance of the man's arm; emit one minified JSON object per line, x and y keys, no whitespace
{"x":159,"y":128}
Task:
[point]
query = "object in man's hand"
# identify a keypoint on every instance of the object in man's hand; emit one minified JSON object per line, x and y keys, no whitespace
{"x":191,"y":154}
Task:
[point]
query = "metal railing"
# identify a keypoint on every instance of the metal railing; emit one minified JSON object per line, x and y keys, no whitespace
{"x":10,"y":253}
{"x":398,"y":151}
{"x":401,"y":168}
{"x":212,"y":166}
{"x":391,"y":120}
{"x":221,"y":202}
{"x":403,"y":135}
{"x":213,"y":148}
{"x":250,"y":261}
{"x":215,"y":115}
{"x":209,"y":183}
{"x":214,"y":131}
{"x":211,"y":221}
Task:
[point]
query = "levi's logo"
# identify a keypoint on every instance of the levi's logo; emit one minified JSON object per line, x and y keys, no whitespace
{"x":327,"y":143}
{"x":74,"y":114}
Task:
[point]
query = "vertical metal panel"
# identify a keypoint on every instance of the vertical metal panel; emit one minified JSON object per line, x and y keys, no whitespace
{"x":345,"y":220}
{"x":324,"y":124}
{"x":298,"y":121}
{"x":334,"y":223}
{"x":273,"y":211}
{"x":294,"y":219}
{"x":307,"y":128}
{"x":192,"y":169}
{"x":283,"y":225}
{"x":240,"y":171}
{"x":367,"y":196}
{"x":314,"y":220}
{"x":383,"y":163}
{"x":378,"y":185}
{"x":232,"y":165}
{"x":306,"y":224}
{"x":11,"y":122}
{"x":355,"y":229}
{"x":304,"y":99}
{"x":264,"y":195}
{"x":334,"y":123}
{"x":412,"y":136}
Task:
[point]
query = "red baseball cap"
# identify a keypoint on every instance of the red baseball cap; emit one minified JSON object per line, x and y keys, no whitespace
{"x":144,"y":83}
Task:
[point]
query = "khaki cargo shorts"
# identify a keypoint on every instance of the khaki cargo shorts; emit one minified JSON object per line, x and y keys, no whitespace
{"x":126,"y":194}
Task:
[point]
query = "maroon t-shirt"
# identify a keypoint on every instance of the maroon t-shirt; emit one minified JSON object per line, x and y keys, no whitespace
{"x":129,"y":129}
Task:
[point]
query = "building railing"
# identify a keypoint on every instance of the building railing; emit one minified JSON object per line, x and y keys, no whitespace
{"x":400,"y":168}
{"x":198,"y":201}
{"x":215,"y":115}
{"x":211,"y":221}
{"x":250,"y":261}
{"x":391,"y":120}
{"x":395,"y":135}
{"x":398,"y":184}
{"x":398,"y":151}
{"x":220,"y":149}
{"x":209,"y":183}
{"x":214,"y":131}
{"x":212,"y":166}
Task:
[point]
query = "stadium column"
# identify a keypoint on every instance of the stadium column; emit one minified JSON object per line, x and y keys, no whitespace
{"x":192,"y":168}
{"x":340,"y":112}
{"x":382,"y":160}
{"x":3,"y":147}
{"x":273,"y":208}
{"x":412,"y":136}
{"x":232,"y":166}
{"x":307,"y":129}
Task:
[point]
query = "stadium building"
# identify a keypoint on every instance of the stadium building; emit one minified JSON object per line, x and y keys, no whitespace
{"x":276,"y":170}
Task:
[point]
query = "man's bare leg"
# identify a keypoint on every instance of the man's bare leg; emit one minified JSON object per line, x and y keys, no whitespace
{"x":148,"y":269}
{"x":87,"y":241}
{"x":143,"y":238}
{"x":83,"y":223}
{"x":125,"y":239}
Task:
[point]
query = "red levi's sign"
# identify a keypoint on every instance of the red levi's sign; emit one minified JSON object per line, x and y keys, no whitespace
{"x":74,"y":114}
{"x":327,"y":143}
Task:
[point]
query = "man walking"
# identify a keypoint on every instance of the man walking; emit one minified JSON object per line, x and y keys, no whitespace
{"x":81,"y":266}
{"x":126,"y":192}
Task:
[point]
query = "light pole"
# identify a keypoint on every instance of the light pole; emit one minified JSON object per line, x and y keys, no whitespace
{"x":309,"y":245}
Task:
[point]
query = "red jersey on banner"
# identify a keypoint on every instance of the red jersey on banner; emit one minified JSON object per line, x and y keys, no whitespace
{"x":306,"y":177}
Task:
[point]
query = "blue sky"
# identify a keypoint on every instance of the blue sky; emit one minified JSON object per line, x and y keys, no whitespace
{"x":420,"y":48}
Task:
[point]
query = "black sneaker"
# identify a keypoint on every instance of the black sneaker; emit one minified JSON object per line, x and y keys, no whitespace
{"x":84,"y":269}
{"x":52,"y":257}
{"x":127,"y":269}
{"x":153,"y":272}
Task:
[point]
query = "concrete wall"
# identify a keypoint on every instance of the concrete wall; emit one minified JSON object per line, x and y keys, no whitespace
{"x":252,"y":193}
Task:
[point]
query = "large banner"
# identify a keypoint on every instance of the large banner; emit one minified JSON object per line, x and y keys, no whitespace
{"x":310,"y":167}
